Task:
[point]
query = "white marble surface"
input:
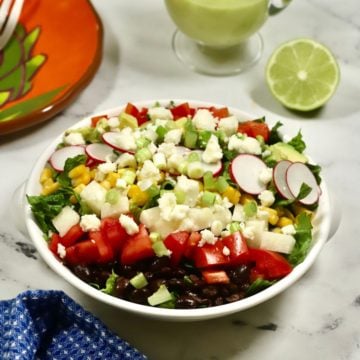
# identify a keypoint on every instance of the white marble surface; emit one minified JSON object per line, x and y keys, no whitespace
{"x":319,"y":317}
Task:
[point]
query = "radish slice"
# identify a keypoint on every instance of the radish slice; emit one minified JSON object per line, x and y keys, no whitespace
{"x":215,"y":168}
{"x":99,"y":152}
{"x":279,"y":178}
{"x":118,"y":142}
{"x":59,"y":157}
{"x":245,"y":170}
{"x":297,"y":174}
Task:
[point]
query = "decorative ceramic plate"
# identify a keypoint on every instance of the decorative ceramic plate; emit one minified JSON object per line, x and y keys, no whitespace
{"x":53,"y":54}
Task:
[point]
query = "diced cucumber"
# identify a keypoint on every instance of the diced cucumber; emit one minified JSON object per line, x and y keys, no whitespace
{"x":142,"y":155}
{"x":160,"y":249}
{"x":141,"y":142}
{"x":221,"y":184}
{"x":127,"y":120}
{"x":234,"y":227}
{"x":208,"y":199}
{"x":209,"y":181}
{"x":190,"y":139}
{"x":112,"y":196}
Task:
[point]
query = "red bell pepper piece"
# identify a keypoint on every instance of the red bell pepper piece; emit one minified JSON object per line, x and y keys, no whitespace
{"x":181,"y":110}
{"x":254,"y":129}
{"x":84,"y":253}
{"x":131,"y":110}
{"x":215,"y":277}
{"x":176,"y":243}
{"x":268,"y":264}
{"x":137,"y":247}
{"x":220,"y":112}
{"x":96,"y":119}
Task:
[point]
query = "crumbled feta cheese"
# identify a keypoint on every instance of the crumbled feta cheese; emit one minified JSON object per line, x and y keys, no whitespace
{"x":160,"y":112}
{"x":238,"y":213}
{"x":149,"y":171}
{"x":113,"y":122}
{"x":179,"y":212}
{"x":288,"y":230}
{"x":204,"y":120}
{"x":207,"y":237}
{"x":128,"y":223}
{"x":217,"y":227}
{"x":126,"y":160}
{"x":173,"y":136}
{"x":61,"y":250}
{"x":125,"y":139}
{"x":173,"y":161}
{"x":266,"y":198}
{"x":190,"y":188}
{"x":121,"y":184}
{"x":107,"y":167}
{"x":229,"y":125}
{"x":152,"y":148}
{"x":167,"y":202}
{"x":149,"y":132}
{"x":225,"y":233}
{"x":226,"y":251}
{"x":90,"y":222}
{"x":167,"y":149}
{"x":74,"y":138}
{"x":159,"y":160}
{"x":212,"y":151}
{"x":195,"y":169}
{"x":244,"y":145}
{"x":265,"y":175}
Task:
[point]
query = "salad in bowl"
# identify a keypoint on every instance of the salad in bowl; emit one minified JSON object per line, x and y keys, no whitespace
{"x":178,"y":208}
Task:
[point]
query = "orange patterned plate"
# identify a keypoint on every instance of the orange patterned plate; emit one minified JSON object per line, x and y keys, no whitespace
{"x":53,"y":54}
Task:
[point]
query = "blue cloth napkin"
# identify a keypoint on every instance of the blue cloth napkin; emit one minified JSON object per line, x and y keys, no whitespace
{"x":41,"y":324}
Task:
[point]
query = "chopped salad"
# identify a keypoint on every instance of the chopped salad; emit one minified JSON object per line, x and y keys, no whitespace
{"x":177,"y":206}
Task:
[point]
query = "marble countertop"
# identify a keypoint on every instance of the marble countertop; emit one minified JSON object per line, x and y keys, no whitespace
{"x":317,"y":317}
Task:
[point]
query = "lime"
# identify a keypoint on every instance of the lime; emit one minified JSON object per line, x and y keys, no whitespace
{"x":302,"y":74}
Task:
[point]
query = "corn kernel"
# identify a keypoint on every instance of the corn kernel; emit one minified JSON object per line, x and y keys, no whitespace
{"x":78,"y":189}
{"x":77,"y":171}
{"x":73,"y":199}
{"x":112,"y":177}
{"x":49,"y":189}
{"x":245,"y":198}
{"x":284,"y":221}
{"x":83,"y":179}
{"x":138,"y":196}
{"x":282,"y":211}
{"x":45,"y":175}
{"x":232,"y":195}
{"x":105,"y":184}
{"x":92,"y":173}
{"x":48,"y":182}
{"x":201,"y":186}
{"x":273,"y":215}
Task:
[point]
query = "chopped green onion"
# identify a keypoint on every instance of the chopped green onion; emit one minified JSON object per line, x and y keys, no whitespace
{"x":207,"y":199}
{"x":195,"y":170}
{"x":153,"y":191}
{"x":209,"y":181}
{"x":250,"y":209}
{"x":221,"y":184}
{"x":160,"y":296}
{"x":142,"y":142}
{"x":129,"y":176}
{"x":139,"y":281}
{"x":234,"y":227}
{"x":190,"y":139}
{"x":154,"y":237}
{"x":112,"y":196}
{"x":142,"y":155}
{"x":160,"y":249}
{"x":193,"y":156}
{"x":180,"y":196}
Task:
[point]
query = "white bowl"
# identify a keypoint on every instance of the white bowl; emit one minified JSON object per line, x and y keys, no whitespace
{"x":322,"y":232}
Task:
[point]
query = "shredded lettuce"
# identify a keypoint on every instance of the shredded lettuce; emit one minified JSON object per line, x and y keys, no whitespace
{"x":258,"y":285}
{"x":274,"y":134}
{"x":110,"y":284}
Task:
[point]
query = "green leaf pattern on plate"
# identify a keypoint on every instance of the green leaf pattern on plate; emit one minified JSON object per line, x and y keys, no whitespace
{"x":17,"y":69}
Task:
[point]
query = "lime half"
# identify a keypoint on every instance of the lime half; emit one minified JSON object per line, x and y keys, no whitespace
{"x":302,"y":74}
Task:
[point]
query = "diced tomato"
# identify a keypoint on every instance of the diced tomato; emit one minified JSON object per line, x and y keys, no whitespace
{"x":210,"y":255}
{"x":106,"y":253}
{"x":74,"y":234}
{"x":191,"y":243}
{"x":254,"y":129}
{"x":176,"y":243}
{"x":114,"y":234}
{"x":237,"y":246}
{"x":84,"y":253}
{"x":268,"y":264}
{"x":215,"y":276}
{"x":53,"y":244}
{"x":137,"y":247}
{"x":220,"y":112}
{"x":131,"y":110}
{"x":96,"y":119}
{"x":142,"y":116}
{"x":182,"y":110}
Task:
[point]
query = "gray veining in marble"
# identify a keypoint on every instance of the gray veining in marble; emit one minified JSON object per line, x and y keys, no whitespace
{"x":318,"y":317}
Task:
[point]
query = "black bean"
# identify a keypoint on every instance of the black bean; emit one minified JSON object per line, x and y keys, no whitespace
{"x":233,"y":297}
{"x":209,"y":291}
{"x":84,"y":272}
{"x":240,"y":274}
{"x":218,"y":301}
{"x":185,"y":302}
{"x":139,"y":295}
{"x":175,"y":284}
{"x":155,"y":284}
{"x":121,"y":287}
{"x":158,"y":263}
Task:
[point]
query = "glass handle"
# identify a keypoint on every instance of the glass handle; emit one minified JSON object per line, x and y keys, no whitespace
{"x":276,"y":6}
